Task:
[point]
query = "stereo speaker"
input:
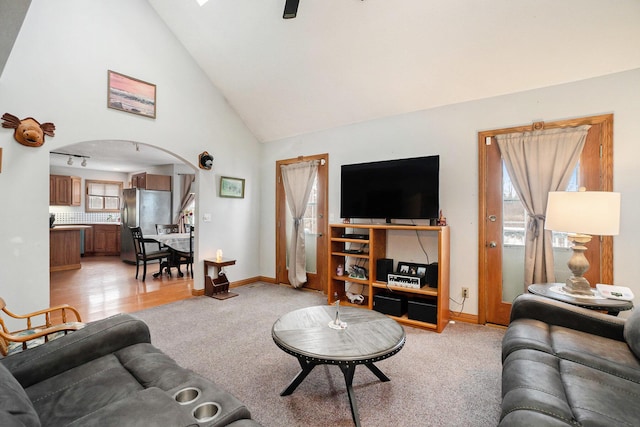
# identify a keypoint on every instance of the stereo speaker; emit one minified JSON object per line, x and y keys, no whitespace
{"x":432,"y":275}
{"x":423,"y":310}
{"x":392,"y":304}
{"x":384,"y":266}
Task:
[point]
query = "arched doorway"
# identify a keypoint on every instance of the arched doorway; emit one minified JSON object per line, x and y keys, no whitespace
{"x":105,"y":285}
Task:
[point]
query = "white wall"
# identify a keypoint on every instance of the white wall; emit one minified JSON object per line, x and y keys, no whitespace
{"x":57,"y":72}
{"x":451,"y":131}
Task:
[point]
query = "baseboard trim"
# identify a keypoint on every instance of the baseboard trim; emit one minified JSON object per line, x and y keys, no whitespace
{"x":463,"y":317}
{"x":238,"y":283}
{"x":457,"y":317}
{"x":244,"y":282}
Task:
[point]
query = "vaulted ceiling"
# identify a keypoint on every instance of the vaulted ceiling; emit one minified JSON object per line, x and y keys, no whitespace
{"x":346,"y":61}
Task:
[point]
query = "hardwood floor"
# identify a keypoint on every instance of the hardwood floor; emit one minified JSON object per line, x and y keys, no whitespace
{"x":105,"y":286}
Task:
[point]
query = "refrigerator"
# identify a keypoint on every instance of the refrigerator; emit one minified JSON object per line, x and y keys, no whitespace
{"x":144,"y":209}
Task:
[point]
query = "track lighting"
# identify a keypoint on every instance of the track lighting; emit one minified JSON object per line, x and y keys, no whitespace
{"x":71,"y":156}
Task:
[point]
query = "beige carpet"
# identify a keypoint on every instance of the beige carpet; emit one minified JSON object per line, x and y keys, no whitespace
{"x":447,"y":379}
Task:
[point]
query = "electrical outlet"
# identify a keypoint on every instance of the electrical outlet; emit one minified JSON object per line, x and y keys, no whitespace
{"x":465,"y":292}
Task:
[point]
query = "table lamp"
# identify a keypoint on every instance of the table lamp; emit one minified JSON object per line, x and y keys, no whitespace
{"x":582,"y":214}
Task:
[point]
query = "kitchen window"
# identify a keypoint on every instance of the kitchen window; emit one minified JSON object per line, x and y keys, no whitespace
{"x":102,"y":196}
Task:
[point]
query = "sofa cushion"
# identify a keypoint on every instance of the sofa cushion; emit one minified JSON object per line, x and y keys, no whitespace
{"x":150,"y":407}
{"x":632,"y":332}
{"x":151,"y":367}
{"x":15,"y":407}
{"x":531,"y":383}
{"x":599,"y":352}
{"x":544,"y":390}
{"x":82,"y":390}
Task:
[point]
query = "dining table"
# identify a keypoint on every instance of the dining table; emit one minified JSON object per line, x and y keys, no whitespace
{"x":176,"y":243}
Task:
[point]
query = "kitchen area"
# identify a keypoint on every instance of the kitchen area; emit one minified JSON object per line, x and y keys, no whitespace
{"x":90,"y":211}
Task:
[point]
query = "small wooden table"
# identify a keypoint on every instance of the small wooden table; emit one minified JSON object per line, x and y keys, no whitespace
{"x":217,"y":287}
{"x":369,"y":337}
{"x":611,"y":306}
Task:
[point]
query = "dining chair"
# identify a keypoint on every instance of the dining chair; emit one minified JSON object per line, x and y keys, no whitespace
{"x":55,"y":325}
{"x":142,"y":255}
{"x":186,"y":258}
{"x":167,"y":228}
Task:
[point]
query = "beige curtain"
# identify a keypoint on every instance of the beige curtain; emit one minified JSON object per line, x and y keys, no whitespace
{"x":298,"y":181}
{"x":186,"y":198}
{"x":539,"y":162}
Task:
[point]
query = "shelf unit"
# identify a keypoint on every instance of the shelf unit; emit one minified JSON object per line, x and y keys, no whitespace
{"x":377,"y":245}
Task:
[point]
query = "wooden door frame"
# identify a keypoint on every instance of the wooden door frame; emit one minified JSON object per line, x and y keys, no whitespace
{"x":323,"y":224}
{"x":606,"y":179}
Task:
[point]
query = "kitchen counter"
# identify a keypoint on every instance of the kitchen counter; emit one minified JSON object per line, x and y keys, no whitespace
{"x":64,"y":247}
{"x":69,"y":227}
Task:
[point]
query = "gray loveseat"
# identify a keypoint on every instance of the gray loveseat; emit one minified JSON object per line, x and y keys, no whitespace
{"x":108,"y":374}
{"x":568,"y":366}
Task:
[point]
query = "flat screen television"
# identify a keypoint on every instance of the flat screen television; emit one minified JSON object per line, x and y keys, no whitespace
{"x":391,"y":189}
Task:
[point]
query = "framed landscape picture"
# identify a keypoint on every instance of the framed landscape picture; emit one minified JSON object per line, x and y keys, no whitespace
{"x":231,"y":187}
{"x":131,"y":95}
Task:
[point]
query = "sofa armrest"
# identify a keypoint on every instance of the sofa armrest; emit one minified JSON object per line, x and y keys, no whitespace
{"x":552,"y":312}
{"x":95,"y":340}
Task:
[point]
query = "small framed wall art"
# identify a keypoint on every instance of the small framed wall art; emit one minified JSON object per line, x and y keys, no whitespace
{"x":131,"y":95}
{"x":231,"y":187}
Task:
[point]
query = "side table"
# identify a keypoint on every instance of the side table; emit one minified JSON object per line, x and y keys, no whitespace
{"x":611,"y":306}
{"x":217,"y":287}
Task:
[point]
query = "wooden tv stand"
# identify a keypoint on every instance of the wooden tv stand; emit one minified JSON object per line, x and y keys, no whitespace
{"x":377,"y":243}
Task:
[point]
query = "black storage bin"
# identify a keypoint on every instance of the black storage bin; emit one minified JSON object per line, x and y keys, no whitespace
{"x":423,"y":310}
{"x":392,"y":304}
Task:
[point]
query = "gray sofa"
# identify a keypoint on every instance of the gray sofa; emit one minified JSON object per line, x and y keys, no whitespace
{"x":108,"y":374}
{"x":568,"y":366}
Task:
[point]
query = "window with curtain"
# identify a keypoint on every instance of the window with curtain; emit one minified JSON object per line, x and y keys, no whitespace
{"x":102,"y":196}
{"x":515,"y":216}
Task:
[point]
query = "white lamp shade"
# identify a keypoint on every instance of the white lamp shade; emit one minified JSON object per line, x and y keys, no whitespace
{"x":583,"y":212}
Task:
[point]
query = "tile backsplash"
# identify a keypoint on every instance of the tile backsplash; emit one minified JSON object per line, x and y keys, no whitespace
{"x":86,"y":217}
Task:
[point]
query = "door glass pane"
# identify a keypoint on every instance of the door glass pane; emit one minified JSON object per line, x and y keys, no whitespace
{"x":310,"y":223}
{"x":513,"y":234}
{"x":513,"y":226}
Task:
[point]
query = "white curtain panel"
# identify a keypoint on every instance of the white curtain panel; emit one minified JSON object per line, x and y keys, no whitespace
{"x":186,"y":197}
{"x":539,"y":162}
{"x":298,"y":181}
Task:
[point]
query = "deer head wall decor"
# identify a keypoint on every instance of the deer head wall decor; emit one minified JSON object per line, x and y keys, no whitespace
{"x":28,"y":131}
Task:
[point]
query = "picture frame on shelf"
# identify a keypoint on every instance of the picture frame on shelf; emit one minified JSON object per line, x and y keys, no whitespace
{"x":412,"y":269}
{"x":131,"y":95}
{"x":232,"y":187}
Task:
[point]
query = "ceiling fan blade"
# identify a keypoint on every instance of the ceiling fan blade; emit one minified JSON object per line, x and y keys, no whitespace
{"x":290,"y":9}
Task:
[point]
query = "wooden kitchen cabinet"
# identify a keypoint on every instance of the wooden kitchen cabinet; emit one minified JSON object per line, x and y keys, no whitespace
{"x":65,"y":190}
{"x":88,"y":241}
{"x":149,"y":181}
{"x":106,"y":239}
{"x":64,"y":247}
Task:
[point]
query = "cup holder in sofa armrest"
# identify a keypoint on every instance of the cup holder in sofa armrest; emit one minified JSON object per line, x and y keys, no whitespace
{"x":206,"y":412}
{"x":187,"y":395}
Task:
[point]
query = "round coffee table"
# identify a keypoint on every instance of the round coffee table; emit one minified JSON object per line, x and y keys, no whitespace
{"x":553,"y":291}
{"x":369,"y":337}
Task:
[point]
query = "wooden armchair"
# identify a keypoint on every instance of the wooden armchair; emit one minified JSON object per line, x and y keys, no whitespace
{"x":31,"y":336}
